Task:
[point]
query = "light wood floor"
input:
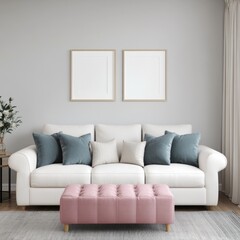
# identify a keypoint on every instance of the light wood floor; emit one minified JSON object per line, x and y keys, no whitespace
{"x":224,"y":205}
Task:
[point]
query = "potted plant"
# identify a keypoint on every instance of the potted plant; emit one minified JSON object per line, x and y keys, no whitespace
{"x":9,"y":120}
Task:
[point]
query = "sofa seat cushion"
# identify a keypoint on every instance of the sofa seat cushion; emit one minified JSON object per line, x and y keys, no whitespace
{"x":118,"y":173}
{"x":59,"y":176}
{"x":73,"y":130}
{"x":175,"y":175}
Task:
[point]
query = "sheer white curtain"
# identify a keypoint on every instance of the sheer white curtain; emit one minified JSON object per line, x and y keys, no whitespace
{"x":231,"y":100}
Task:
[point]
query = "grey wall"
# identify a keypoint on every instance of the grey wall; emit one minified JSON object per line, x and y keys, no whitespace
{"x":36,"y":36}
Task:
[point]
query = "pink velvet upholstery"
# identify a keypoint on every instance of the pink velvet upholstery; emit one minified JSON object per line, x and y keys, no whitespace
{"x":109,"y":203}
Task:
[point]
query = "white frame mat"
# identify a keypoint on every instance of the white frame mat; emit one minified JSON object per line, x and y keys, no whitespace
{"x":144,"y":75}
{"x":93,"y":75}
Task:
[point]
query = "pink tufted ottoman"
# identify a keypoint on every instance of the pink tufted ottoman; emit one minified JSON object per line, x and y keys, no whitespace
{"x":109,"y":203}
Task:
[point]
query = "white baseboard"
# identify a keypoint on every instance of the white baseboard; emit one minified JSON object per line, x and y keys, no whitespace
{"x":5,"y":187}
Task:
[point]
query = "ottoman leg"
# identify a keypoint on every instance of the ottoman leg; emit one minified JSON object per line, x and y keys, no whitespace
{"x":167,"y":227}
{"x":66,"y":227}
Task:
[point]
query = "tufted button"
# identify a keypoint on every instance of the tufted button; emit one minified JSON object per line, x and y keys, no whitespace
{"x":135,"y":190}
{"x":81,"y":190}
{"x":154,"y":190}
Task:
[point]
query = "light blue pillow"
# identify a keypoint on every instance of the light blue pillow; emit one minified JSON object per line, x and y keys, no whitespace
{"x":158,"y":149}
{"x":185,"y":149}
{"x":75,"y":149}
{"x":48,"y":149}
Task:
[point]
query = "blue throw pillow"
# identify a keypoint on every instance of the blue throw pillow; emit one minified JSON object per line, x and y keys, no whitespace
{"x":185,"y":149}
{"x":158,"y":149}
{"x":48,"y":149}
{"x":75,"y":149}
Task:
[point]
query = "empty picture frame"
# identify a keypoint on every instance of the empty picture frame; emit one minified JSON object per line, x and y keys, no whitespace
{"x":144,"y":75}
{"x":92,"y":75}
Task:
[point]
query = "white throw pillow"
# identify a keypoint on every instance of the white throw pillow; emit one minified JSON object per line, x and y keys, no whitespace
{"x":133,"y":152}
{"x":104,"y":152}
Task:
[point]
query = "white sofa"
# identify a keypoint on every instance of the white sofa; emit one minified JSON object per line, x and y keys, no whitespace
{"x":44,"y":185}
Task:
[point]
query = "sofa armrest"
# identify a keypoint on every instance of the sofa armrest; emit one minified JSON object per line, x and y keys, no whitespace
{"x":211,"y":162}
{"x":23,"y":162}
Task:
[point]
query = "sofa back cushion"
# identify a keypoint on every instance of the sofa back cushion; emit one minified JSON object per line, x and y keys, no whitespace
{"x":159,"y":130}
{"x":73,"y":130}
{"x":130,"y":133}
